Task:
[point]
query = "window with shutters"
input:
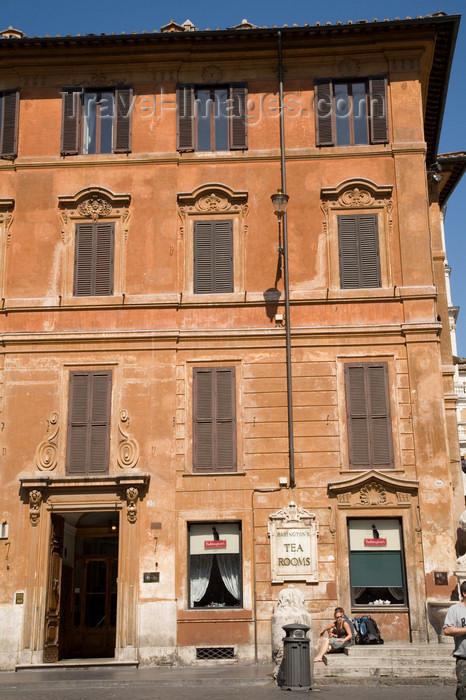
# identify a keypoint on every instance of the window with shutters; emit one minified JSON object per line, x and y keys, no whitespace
{"x":211,"y":118}
{"x":213,"y":257}
{"x":96,"y":121}
{"x":214,"y":419}
{"x":9,"y":110}
{"x":88,"y":439}
{"x":358,"y":241}
{"x":370,"y":441}
{"x":93,"y":259}
{"x":351,"y":113}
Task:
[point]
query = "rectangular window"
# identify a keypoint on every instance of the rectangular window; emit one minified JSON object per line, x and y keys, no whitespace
{"x":214,"y":419}
{"x":358,"y":240}
{"x":93,"y":259}
{"x":211,"y":118}
{"x":213,"y":257}
{"x":89,"y":422}
{"x":370,"y":443}
{"x":376,"y":562}
{"x":350,"y":113}
{"x":96,"y":121}
{"x":215,"y":565}
{"x":9,"y":110}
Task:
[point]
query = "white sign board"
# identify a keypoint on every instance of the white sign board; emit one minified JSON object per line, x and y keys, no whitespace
{"x":293,"y":545}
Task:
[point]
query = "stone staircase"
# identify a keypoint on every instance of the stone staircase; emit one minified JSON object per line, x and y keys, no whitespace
{"x":403,"y":661}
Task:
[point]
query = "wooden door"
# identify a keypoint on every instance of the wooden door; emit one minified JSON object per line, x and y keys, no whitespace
{"x":52,"y":610}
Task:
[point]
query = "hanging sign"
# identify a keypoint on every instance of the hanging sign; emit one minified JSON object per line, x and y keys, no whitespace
{"x":215,"y":544}
{"x":375,"y":542}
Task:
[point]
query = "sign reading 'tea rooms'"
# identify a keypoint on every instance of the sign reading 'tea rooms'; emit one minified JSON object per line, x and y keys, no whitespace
{"x":293,"y":543}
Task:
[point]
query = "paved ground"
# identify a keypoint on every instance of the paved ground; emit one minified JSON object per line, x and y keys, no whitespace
{"x":230,"y":693}
{"x":225,"y":683}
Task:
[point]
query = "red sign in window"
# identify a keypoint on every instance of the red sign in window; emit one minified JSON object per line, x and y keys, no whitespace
{"x":375,"y":542}
{"x":214,"y":544}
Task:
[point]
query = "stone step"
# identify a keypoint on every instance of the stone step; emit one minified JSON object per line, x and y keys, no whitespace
{"x":417,"y":650}
{"x":385,"y":671}
{"x":365,"y":662}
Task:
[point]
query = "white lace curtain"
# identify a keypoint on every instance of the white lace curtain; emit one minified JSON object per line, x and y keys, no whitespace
{"x":229,"y":571}
{"x":201,"y":567}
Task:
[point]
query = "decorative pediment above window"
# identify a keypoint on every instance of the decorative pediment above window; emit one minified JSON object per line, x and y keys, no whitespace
{"x":373,"y":489}
{"x":356,"y":193}
{"x":94,"y":203}
{"x":213,"y":198}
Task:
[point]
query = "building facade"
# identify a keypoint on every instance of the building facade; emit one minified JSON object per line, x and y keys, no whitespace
{"x":148,"y":512}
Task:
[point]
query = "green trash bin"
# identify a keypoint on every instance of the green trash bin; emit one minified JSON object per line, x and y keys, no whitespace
{"x":296,"y":660}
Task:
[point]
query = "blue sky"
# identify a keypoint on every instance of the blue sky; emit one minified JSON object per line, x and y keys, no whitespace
{"x":63,"y":17}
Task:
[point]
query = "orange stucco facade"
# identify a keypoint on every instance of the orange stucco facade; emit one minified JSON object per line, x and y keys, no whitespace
{"x":155,"y":329}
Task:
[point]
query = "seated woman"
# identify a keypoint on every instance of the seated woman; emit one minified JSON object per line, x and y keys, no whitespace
{"x":339,"y":635}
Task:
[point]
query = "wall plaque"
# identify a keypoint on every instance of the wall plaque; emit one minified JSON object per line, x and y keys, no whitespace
{"x":293,"y":545}
{"x":151,"y":577}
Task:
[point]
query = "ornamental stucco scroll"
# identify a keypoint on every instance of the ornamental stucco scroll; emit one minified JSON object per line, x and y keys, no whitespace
{"x":46,"y":456}
{"x":128,"y":448}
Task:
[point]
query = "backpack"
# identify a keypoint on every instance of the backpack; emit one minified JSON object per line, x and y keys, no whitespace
{"x":352,"y":628}
{"x":367,"y":631}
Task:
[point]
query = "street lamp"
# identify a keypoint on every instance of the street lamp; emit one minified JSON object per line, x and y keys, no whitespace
{"x":280,"y":201}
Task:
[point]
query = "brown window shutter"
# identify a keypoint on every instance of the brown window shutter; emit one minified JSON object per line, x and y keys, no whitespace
{"x":104,"y":258}
{"x":76,"y":453}
{"x":378,"y":110}
{"x":380,"y":420}
{"x":369,"y":251}
{"x":83,"y":260}
{"x":99,"y":423}
{"x":89,"y":422}
{"x":71,"y":121}
{"x":323,"y":107}
{"x":94,"y":259}
{"x":348,"y":251}
{"x":123,"y":120}
{"x":223,"y":256}
{"x":225,"y":444}
{"x":238,"y":125}
{"x":359,"y":251}
{"x":203,"y":420}
{"x":214,"y":419}
{"x":203,"y":257}
{"x":185,"y":117}
{"x":368,"y":414}
{"x":9,"y":135}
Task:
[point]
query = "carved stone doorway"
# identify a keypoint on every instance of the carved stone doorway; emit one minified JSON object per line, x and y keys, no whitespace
{"x":81,"y":608}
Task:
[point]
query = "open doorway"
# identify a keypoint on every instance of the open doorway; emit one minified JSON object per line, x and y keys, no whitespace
{"x":82,"y":586}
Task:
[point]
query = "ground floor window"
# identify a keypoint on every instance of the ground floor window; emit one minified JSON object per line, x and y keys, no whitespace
{"x":376,"y":562}
{"x":214,"y":565}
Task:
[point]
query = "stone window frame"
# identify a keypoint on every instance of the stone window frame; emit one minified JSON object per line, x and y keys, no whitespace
{"x":211,"y":202}
{"x":94,"y":204}
{"x":6,"y":219}
{"x":357,"y":196}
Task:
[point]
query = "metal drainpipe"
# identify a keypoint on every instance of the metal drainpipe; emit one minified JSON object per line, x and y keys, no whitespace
{"x":258,"y":490}
{"x":289,"y":389}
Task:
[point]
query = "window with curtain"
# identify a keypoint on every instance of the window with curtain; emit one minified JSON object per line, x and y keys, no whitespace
{"x":376,"y":562}
{"x":215,"y":565}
